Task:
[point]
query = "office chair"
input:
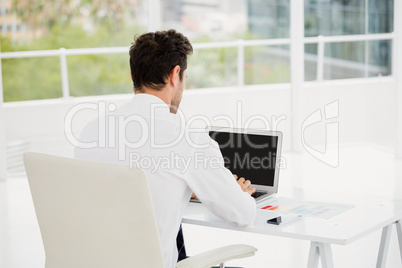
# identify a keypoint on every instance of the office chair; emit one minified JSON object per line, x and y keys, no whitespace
{"x":94,"y":214}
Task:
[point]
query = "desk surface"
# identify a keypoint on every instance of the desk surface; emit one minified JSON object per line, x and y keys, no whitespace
{"x":368,"y":215}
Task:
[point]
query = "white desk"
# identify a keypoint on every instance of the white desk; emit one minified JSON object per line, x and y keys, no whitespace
{"x":368,"y":215}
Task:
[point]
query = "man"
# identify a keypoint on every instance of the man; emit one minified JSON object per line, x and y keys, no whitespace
{"x":152,"y":134}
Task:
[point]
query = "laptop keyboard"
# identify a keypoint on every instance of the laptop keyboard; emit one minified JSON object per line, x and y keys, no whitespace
{"x":257,"y":194}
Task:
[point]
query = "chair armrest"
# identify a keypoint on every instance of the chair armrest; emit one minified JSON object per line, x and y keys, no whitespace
{"x":217,"y":256}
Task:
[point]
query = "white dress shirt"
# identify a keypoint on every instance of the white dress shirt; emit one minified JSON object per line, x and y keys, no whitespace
{"x":176,"y":159}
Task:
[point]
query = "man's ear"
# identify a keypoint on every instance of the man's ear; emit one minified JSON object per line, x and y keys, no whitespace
{"x":174,"y":76}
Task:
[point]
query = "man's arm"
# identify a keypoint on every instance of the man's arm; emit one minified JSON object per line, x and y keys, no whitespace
{"x":216,"y":188}
{"x":243,"y":183}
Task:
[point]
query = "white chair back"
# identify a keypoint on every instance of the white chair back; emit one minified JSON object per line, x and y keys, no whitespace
{"x":93,"y":214}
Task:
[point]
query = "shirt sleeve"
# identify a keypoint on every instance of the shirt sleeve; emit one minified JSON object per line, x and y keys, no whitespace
{"x":216,"y":187}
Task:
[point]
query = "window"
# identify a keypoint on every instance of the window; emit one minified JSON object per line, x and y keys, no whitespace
{"x":267,"y":65}
{"x":230,"y":20}
{"x":354,"y":59}
{"x":90,"y":24}
{"x":82,"y":24}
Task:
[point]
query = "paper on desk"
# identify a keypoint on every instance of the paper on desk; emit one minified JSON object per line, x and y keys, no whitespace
{"x":321,"y":210}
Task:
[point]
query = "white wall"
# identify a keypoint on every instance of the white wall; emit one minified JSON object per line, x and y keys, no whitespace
{"x":381,"y":116}
{"x":366,"y":112}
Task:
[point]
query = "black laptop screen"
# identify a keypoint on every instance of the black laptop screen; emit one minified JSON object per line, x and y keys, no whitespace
{"x":249,"y":155}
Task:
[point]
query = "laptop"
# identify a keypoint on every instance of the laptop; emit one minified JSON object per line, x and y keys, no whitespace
{"x":253,"y":154}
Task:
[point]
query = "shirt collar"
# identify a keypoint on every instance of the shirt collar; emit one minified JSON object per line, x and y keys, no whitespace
{"x":151,"y":99}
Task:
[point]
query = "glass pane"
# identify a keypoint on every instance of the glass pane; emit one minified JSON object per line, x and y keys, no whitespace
{"x":99,"y":74}
{"x":334,"y":17}
{"x":212,"y":68}
{"x":74,"y":24}
{"x":310,"y":62}
{"x":269,"y":19}
{"x":69,"y":24}
{"x":344,"y":60}
{"x":31,"y":78}
{"x":348,"y":59}
{"x":214,"y":20}
{"x":380,"y":58}
{"x":381,"y":16}
{"x":267,"y":64}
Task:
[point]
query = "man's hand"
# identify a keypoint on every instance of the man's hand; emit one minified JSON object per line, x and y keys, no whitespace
{"x":245,"y":184}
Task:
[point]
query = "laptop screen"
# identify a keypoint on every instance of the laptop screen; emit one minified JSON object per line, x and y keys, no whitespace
{"x":252,"y":156}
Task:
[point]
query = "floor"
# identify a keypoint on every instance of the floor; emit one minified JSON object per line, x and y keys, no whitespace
{"x":362,"y":169}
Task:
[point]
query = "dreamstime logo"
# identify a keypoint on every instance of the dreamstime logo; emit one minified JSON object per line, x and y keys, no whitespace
{"x":329,"y":156}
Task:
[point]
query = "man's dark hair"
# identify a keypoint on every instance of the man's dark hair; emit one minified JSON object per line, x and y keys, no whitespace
{"x":153,"y":56}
